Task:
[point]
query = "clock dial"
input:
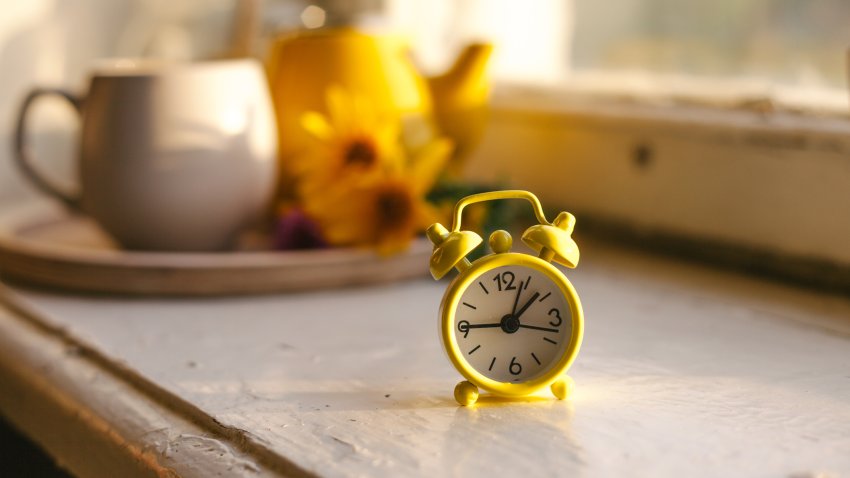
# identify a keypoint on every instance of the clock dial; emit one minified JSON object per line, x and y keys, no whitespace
{"x":512,"y":324}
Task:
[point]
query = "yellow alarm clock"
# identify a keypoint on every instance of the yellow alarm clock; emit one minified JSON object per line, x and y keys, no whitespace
{"x":511,"y":323}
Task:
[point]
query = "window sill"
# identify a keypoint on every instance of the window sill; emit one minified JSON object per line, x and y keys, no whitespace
{"x":737,"y":181}
{"x":677,"y":359}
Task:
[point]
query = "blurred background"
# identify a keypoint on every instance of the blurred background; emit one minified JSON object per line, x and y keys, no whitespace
{"x":783,"y":48}
{"x":769,"y":57}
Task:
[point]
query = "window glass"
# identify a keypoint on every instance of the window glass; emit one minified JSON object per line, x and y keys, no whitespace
{"x":787,"y":50}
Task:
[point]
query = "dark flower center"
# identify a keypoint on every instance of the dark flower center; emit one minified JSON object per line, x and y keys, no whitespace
{"x":394,"y":208}
{"x":361,"y":152}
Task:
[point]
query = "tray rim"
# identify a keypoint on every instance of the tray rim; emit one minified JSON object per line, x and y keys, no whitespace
{"x":30,"y":262}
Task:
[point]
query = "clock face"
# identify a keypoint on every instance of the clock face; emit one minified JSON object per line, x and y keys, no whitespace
{"x":512,"y":323}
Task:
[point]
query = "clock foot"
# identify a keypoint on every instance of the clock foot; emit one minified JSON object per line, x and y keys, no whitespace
{"x":563,"y":387}
{"x":466,"y":393}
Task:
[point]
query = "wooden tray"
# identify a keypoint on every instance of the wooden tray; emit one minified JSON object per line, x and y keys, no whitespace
{"x":43,"y":244}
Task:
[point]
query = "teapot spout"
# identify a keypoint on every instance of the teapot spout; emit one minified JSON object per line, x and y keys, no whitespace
{"x":466,"y":81}
{"x":460,"y":98}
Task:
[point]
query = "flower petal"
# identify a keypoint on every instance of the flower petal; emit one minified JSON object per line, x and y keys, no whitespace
{"x":341,"y":110}
{"x":317,"y":125}
{"x":429,"y":163}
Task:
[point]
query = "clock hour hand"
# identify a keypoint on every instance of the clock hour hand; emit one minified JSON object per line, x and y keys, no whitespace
{"x":538,"y":328}
{"x":527,"y":305}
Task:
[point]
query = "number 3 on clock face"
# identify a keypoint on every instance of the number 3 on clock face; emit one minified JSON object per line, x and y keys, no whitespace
{"x":513,"y":324}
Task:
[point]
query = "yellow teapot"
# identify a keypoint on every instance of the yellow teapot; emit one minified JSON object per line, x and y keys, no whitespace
{"x":302,"y":66}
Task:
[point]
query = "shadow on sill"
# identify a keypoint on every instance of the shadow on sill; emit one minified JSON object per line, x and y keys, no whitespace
{"x":19,"y":457}
{"x":812,"y":273}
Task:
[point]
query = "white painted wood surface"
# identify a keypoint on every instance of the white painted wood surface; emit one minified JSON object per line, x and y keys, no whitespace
{"x":97,"y":424}
{"x":770,"y":180}
{"x":685,"y":371}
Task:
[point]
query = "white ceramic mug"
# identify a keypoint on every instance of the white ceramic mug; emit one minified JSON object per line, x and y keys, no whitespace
{"x":173,"y":157}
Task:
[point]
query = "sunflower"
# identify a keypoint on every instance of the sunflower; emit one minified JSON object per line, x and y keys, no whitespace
{"x":353,"y":139}
{"x":384,"y":210}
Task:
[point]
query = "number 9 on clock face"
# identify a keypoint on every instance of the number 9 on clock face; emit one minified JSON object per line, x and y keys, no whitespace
{"x":512,"y":324}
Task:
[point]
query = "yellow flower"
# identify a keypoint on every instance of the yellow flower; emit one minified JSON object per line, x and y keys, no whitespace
{"x":353,"y":139}
{"x":384,"y":211}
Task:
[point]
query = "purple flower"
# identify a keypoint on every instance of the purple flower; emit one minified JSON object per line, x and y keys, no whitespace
{"x":295,"y":231}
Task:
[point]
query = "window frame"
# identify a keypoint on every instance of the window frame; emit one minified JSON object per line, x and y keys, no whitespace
{"x":747,"y":184}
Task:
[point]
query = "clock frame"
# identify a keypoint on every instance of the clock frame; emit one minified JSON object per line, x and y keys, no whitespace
{"x":452,"y":300}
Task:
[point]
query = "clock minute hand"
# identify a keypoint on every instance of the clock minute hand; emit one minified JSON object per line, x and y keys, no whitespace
{"x":527,"y":305}
{"x":516,"y":300}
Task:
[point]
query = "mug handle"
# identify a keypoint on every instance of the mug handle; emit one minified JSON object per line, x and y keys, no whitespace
{"x":23,"y":156}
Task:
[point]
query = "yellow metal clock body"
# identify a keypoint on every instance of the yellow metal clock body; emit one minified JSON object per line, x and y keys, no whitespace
{"x":511,"y":323}
{"x":492,"y":362}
